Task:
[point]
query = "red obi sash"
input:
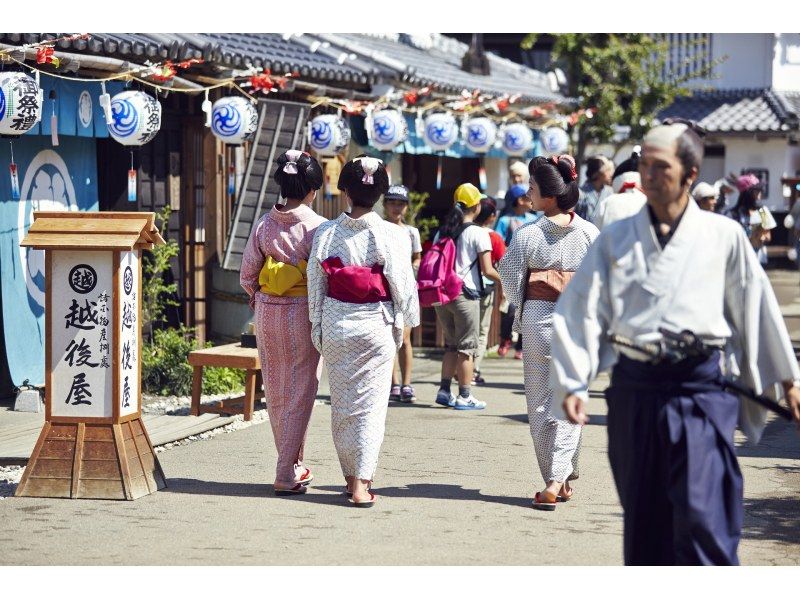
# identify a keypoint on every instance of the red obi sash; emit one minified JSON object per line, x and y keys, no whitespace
{"x":356,"y":284}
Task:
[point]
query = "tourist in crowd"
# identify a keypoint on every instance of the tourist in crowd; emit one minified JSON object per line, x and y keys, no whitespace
{"x":460,"y":318}
{"x":706,"y":196}
{"x":273,"y":273}
{"x":627,"y":198}
{"x":756,"y":219}
{"x":487,"y":218}
{"x":395,"y":208}
{"x":361,"y":297}
{"x":519,"y":216}
{"x":599,"y":173}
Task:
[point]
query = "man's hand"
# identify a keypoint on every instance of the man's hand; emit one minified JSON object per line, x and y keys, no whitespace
{"x":574,"y":409}
{"x":793,"y":401}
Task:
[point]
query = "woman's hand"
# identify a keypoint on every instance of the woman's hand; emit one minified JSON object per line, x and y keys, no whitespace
{"x":575,"y":409}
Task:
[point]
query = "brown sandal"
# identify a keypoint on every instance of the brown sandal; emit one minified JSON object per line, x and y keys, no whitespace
{"x":543,"y":505}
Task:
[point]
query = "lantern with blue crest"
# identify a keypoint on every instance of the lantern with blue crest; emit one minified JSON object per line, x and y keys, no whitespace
{"x":20,"y":103}
{"x":517,"y":139}
{"x":555,"y":140}
{"x":234,"y":120}
{"x":387,"y":129}
{"x":135,"y":118}
{"x":440,"y":131}
{"x":479,"y":134}
{"x":328,"y":135}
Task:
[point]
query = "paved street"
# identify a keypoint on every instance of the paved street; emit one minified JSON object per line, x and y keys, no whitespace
{"x":454,"y":487}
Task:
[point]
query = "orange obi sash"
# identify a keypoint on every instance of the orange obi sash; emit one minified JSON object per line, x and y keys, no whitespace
{"x":547,"y":285}
{"x":282,"y":279}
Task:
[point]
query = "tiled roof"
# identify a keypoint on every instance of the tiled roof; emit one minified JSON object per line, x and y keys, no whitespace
{"x":227,"y":50}
{"x":790,"y":101}
{"x":434,"y":59}
{"x":734,"y":111}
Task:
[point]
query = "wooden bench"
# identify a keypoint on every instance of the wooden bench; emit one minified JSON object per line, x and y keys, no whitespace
{"x":227,"y":356}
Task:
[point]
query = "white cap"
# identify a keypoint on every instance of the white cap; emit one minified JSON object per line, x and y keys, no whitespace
{"x":703,"y":190}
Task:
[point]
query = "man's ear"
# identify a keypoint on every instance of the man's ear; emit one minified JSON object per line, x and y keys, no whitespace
{"x":691,"y":177}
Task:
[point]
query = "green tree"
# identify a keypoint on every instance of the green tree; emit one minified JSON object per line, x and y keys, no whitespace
{"x":624,"y":78}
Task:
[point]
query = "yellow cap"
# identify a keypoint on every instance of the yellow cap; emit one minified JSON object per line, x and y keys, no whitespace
{"x":468,"y":194}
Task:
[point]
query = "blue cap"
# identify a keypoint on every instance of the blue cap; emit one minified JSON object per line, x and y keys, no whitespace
{"x":518,"y":191}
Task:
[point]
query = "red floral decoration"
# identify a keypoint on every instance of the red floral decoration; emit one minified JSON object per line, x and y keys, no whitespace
{"x":46,"y":55}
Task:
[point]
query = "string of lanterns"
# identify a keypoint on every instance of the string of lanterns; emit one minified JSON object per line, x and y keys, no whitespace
{"x":133,"y":117}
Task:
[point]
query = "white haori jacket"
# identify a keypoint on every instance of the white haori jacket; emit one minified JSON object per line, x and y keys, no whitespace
{"x":707,"y":279}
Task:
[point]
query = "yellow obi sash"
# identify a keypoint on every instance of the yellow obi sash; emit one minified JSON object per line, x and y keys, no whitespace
{"x":282,"y":279}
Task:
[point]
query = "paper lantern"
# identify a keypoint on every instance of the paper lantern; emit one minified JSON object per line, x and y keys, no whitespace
{"x":554,"y":140}
{"x":517,"y":139}
{"x":135,"y":118}
{"x":440,"y":131}
{"x":234,"y":120}
{"x":479,"y":134}
{"x":328,"y":134}
{"x":20,"y":103}
{"x":388,"y":128}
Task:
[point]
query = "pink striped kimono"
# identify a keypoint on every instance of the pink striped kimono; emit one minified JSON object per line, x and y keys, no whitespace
{"x":289,"y":360}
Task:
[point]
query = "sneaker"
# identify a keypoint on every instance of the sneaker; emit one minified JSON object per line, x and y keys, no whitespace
{"x":502,"y":350}
{"x":518,"y":355}
{"x":443,"y":397}
{"x":407,"y":394}
{"x":478,"y":379}
{"x":394,"y":394}
{"x":469,"y":403}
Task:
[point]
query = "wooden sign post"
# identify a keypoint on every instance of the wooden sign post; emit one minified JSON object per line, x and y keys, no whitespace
{"x":93,"y":443}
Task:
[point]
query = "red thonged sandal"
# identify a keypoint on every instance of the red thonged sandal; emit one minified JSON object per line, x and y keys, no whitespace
{"x":306,"y":478}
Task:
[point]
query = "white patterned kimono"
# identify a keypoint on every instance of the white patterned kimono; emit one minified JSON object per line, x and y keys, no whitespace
{"x":359,"y":341}
{"x":707,"y":279}
{"x":545,"y":247}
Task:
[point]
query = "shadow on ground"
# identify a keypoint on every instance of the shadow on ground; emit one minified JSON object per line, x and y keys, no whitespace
{"x":773,"y":519}
{"x":780,"y":441}
{"x":334,"y":495}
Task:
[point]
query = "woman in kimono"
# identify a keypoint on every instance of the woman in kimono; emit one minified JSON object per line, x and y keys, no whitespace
{"x":362,"y":294}
{"x":539,"y":263}
{"x":274,"y":275}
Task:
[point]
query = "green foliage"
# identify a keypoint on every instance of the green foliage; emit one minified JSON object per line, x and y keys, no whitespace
{"x":165,"y":365}
{"x":425,"y":226}
{"x":622,"y":76}
{"x":166,"y":369}
{"x":222,"y":380}
{"x":156,"y":294}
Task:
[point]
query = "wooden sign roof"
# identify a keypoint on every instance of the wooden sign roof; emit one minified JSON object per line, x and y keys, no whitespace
{"x":123,"y":231}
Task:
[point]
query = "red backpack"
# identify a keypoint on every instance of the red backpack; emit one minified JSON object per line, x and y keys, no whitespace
{"x":437,"y":281}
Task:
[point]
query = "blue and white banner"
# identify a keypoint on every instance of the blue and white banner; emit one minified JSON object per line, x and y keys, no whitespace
{"x":62,"y":178}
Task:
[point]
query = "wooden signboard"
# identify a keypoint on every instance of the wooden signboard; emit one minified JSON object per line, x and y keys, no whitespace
{"x":93,"y":443}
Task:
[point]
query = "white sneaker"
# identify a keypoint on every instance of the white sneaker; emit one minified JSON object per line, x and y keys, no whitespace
{"x":448,"y":399}
{"x":468,"y":404}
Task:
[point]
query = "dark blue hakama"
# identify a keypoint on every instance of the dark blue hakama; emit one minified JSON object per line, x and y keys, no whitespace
{"x":670,"y":444}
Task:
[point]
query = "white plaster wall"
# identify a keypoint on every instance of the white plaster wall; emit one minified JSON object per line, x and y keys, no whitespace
{"x":749,"y":63}
{"x":786,"y":61}
{"x":496,"y":175}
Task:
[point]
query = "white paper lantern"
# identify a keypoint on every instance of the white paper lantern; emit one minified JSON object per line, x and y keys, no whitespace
{"x":517,"y":139}
{"x":328,"y":135}
{"x":234,"y":120}
{"x":20,"y":103}
{"x":136,"y":118}
{"x":480,"y":134}
{"x":389,"y":129}
{"x":440,"y":131}
{"x":554,"y":140}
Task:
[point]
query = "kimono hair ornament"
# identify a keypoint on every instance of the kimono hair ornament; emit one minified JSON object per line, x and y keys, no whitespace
{"x":291,"y":166}
{"x":557,"y":158}
{"x":369,"y":166}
